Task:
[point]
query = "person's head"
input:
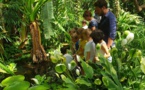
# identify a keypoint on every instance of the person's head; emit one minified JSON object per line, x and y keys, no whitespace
{"x":79,"y":32}
{"x":100,"y":7}
{"x":74,"y":37}
{"x":63,"y":50}
{"x":72,"y":31}
{"x":84,"y":22}
{"x":86,"y":34}
{"x":87,"y":15}
{"x":97,"y":36}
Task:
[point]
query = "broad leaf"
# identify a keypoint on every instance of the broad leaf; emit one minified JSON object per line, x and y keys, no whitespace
{"x":88,"y":70}
{"x":9,"y":80}
{"x":18,"y":85}
{"x":40,"y":87}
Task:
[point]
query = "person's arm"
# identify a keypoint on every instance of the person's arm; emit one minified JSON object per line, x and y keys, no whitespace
{"x":110,"y":42}
{"x":105,"y":50}
{"x":93,"y":28}
{"x":112,"y":34}
{"x":96,"y":59}
{"x":87,"y":56}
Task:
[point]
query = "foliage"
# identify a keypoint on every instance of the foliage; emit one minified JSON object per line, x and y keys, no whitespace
{"x":18,"y":83}
{"x":67,"y":15}
{"x":126,"y":72}
{"x":47,"y":19}
{"x":9,"y":69}
{"x":12,"y":15}
{"x":133,"y":23}
{"x":129,"y":6}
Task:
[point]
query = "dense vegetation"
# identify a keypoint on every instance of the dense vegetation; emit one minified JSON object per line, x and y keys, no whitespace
{"x":51,"y":20}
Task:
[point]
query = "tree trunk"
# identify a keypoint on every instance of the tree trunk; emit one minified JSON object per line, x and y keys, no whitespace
{"x":38,"y":52}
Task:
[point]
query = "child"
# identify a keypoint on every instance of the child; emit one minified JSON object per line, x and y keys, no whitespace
{"x":84,"y":24}
{"x":74,"y":43}
{"x":97,"y":37}
{"x":93,"y":24}
{"x":90,"y":50}
{"x":68,"y":57}
{"x":82,"y":44}
{"x":75,"y":36}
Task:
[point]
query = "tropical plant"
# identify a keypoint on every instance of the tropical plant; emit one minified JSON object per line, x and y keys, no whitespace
{"x":133,"y":23}
{"x":9,"y":69}
{"x":31,"y":10}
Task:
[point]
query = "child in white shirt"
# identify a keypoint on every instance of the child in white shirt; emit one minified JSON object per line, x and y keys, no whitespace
{"x":68,"y":57}
{"x":98,"y":37}
{"x":90,"y":50}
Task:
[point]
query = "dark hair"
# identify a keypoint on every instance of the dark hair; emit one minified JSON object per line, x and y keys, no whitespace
{"x":101,"y":3}
{"x":63,"y":50}
{"x":79,"y":30}
{"x":75,"y":36}
{"x":84,"y":21}
{"x":97,"y":36}
{"x":87,"y":13}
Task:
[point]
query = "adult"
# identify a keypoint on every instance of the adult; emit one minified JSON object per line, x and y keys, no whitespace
{"x":107,"y":23}
{"x":93,"y":25}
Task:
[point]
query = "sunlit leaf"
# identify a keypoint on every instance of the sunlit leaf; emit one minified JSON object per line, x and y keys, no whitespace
{"x":40,"y":87}
{"x":18,"y":85}
{"x":9,"y":80}
{"x":88,"y":69}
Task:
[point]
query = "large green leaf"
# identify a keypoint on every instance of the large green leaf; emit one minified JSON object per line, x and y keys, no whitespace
{"x":9,"y":80}
{"x":88,"y":69}
{"x":40,"y":87}
{"x":18,"y":85}
{"x":110,"y":71}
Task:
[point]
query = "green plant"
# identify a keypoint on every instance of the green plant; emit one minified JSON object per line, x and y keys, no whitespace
{"x":9,"y":69}
{"x":133,"y":23}
{"x":15,"y":83}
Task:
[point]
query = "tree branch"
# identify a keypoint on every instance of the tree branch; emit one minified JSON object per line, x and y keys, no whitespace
{"x":138,"y":8}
